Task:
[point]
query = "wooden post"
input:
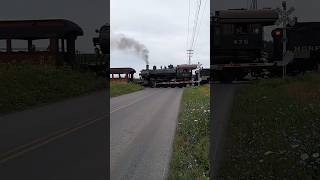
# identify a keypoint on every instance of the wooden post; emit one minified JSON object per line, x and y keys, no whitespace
{"x":62,"y":45}
{"x":9,"y":45}
{"x":54,"y":45}
{"x":71,"y":50}
{"x":29,"y":45}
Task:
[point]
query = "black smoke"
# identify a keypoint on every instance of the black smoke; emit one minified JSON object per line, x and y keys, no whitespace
{"x":121,"y":42}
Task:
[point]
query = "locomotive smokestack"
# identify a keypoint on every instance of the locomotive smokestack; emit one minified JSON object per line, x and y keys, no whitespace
{"x":147,"y":67}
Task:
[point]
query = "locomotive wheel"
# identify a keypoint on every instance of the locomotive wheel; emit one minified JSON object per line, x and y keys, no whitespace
{"x":153,"y":84}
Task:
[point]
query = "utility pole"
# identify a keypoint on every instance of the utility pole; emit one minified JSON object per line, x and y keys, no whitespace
{"x":284,"y":43}
{"x":189,"y":52}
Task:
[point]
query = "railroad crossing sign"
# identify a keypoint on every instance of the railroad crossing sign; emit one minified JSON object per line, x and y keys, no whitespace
{"x":284,"y":20}
{"x":284,"y":16}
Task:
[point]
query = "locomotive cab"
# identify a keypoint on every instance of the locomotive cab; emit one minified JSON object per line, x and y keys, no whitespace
{"x":238,"y":34}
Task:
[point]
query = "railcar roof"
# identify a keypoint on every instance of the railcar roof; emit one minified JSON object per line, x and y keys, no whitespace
{"x":122,"y":70}
{"x":263,"y":16}
{"x":187,"y":66}
{"x":38,"y":29}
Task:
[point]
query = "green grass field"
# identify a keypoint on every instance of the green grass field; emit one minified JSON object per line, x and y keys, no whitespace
{"x":118,"y":88}
{"x":274,"y":130}
{"x":190,"y":157}
{"x":23,"y":86}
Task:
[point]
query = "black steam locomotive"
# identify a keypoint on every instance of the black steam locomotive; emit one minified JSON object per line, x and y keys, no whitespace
{"x":238,"y":45}
{"x":102,"y":42}
{"x":170,"y":76}
{"x":202,"y":76}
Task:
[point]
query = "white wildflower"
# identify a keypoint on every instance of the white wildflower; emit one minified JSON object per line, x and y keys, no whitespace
{"x":295,"y":145}
{"x":267,"y":153}
{"x":315,"y":155}
{"x":304,"y":156}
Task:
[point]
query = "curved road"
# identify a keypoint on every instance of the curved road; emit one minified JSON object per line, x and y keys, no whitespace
{"x":142,"y":127}
{"x":60,"y":141}
{"x":69,"y":139}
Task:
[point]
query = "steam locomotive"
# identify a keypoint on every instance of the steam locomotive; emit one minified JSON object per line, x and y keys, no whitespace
{"x":170,"y":76}
{"x":102,"y":42}
{"x":102,"y":51}
{"x":239,"y":48}
{"x":202,"y":76}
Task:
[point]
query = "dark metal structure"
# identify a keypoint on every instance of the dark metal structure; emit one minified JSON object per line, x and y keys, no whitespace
{"x":303,"y":41}
{"x":238,"y":42}
{"x":168,"y":76}
{"x":102,"y":49}
{"x":61,"y":33}
{"x":202,"y":75}
{"x":238,"y":45}
{"x":103,"y":40}
{"x":238,"y":34}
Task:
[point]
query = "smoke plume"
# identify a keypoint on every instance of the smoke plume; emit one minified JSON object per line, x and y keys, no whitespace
{"x":121,"y":42}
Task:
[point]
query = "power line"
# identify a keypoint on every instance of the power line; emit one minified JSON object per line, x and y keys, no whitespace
{"x":188,"y":26}
{"x":198,"y":32}
{"x":196,"y":27}
{"x":195,"y":22}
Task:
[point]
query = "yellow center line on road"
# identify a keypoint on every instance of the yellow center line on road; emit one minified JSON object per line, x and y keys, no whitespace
{"x":20,"y":150}
{"x":133,"y":102}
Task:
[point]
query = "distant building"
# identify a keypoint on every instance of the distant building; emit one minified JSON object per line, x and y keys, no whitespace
{"x":122,"y":74}
{"x":61,"y":33}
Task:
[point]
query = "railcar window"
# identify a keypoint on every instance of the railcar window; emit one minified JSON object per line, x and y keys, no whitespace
{"x":227,"y":29}
{"x":254,"y":28}
{"x":216,"y":39}
{"x":241,"y":28}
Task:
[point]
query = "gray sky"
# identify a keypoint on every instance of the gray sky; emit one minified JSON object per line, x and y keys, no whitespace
{"x":162,"y":26}
{"x":89,"y":15}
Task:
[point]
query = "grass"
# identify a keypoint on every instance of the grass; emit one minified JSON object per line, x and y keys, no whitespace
{"x":23,"y":86}
{"x":118,"y":88}
{"x":190,"y":157}
{"x":274,"y":130}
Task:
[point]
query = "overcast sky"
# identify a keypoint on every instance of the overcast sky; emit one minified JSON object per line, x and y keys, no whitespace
{"x":162,"y":26}
{"x":89,"y":15}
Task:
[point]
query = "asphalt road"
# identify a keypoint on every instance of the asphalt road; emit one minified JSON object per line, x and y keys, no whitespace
{"x":223,"y":95}
{"x":65,"y":140}
{"x":142,"y":127}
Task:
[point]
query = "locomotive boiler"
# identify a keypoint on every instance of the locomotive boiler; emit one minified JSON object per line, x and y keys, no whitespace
{"x":179,"y":76}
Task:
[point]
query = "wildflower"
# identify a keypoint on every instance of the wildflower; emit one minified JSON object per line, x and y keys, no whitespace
{"x":315,"y":155}
{"x":304,"y":156}
{"x":267,"y":153}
